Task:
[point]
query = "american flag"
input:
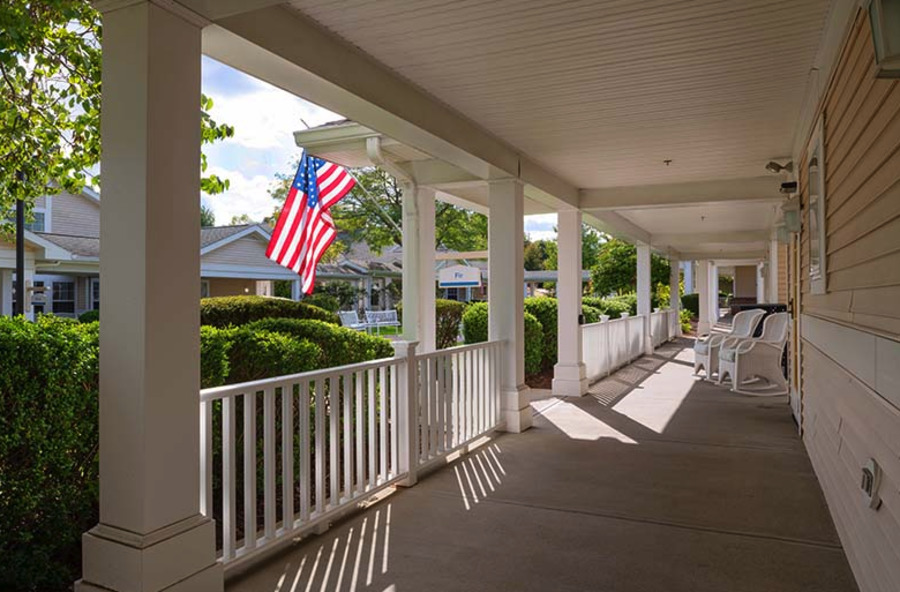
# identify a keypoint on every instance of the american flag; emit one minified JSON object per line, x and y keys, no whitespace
{"x":305,"y":228}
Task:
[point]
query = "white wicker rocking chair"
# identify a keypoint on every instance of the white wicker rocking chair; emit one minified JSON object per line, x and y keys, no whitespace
{"x":706,"y":351}
{"x":745,"y":362}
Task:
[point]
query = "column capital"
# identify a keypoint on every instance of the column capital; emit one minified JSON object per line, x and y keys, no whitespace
{"x":108,"y":6}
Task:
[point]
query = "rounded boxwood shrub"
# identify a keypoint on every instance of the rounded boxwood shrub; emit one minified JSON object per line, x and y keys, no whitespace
{"x":615,"y":307}
{"x":255,"y":354}
{"x":90,"y":316}
{"x":338,"y":345}
{"x":545,"y":310}
{"x":323,"y":301}
{"x":214,"y":346}
{"x":475,"y":323}
{"x":48,"y":449}
{"x":448,"y":316}
{"x":239,"y":310}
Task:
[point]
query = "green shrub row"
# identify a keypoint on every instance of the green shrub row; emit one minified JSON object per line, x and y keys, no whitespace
{"x":339,"y":345}
{"x":691,"y":302}
{"x":226,"y":311}
{"x":48,"y":449}
{"x":475,"y":330}
{"x":448,"y":316}
{"x":546,"y":312}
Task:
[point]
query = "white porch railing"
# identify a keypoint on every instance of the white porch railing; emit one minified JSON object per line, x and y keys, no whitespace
{"x":609,"y":345}
{"x":282,"y":456}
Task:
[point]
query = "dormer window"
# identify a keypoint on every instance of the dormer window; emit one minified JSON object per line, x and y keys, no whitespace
{"x":39,"y":222}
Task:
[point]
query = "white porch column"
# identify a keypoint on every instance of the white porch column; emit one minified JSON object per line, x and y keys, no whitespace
{"x":418,"y":266}
{"x":643,"y":293}
{"x":6,"y":292}
{"x":688,"y":277}
{"x":506,"y":275}
{"x":703,"y":283}
{"x":713,"y":293}
{"x":772,"y":275}
{"x":674,"y":289}
{"x":151,"y":535}
{"x":296,"y":290}
{"x":569,"y":377}
{"x":760,"y":284}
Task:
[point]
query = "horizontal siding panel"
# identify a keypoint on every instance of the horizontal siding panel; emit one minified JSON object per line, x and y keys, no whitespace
{"x":882,"y":325}
{"x":74,"y":215}
{"x":878,"y":243}
{"x":243,"y":251}
{"x":857,"y":219}
{"x":884,"y":271}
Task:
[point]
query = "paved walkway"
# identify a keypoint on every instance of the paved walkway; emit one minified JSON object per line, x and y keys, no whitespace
{"x":654,"y":482}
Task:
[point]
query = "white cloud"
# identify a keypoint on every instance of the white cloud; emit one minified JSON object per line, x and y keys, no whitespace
{"x":246,"y":195}
{"x":540,"y":227}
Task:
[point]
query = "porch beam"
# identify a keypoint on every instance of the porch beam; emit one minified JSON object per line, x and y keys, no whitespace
{"x":285,"y":48}
{"x":506,"y":277}
{"x":714,"y":192}
{"x":724,"y":255}
{"x":151,"y":535}
{"x":569,"y":376}
{"x":618,"y":226}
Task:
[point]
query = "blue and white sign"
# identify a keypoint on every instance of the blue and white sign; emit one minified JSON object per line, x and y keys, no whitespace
{"x":459,"y":276}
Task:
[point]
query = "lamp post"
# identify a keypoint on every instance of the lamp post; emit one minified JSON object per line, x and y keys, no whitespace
{"x":20,"y":248}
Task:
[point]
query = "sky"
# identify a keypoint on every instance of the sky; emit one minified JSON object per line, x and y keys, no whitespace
{"x":264,"y":119}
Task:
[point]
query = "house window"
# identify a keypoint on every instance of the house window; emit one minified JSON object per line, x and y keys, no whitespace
{"x":39,"y":222}
{"x":815,"y":171}
{"x":95,"y":293}
{"x":452,"y":294}
{"x":204,"y":288}
{"x":63,"y":297}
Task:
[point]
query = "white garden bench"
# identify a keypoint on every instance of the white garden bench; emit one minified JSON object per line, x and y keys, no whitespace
{"x":350,"y":319}
{"x":382,"y":318}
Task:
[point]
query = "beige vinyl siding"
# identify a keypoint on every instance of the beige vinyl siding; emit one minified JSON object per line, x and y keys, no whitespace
{"x":249,"y":251}
{"x":846,"y":420}
{"x":75,"y":215}
{"x":782,"y":273}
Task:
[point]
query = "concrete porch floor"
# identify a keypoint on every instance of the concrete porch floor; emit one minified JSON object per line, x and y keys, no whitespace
{"x":653,"y":482}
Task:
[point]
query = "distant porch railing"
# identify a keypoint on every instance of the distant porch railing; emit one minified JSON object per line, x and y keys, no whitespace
{"x":283,"y":456}
{"x":611,"y":344}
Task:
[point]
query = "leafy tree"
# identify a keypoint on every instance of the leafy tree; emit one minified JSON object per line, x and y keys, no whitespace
{"x":591,"y":241}
{"x":50,"y":91}
{"x":242,"y":219}
{"x":373,"y":214}
{"x":207,"y":217}
{"x":537,"y":254}
{"x":616,"y":269}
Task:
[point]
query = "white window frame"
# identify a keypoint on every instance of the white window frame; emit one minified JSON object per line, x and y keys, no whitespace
{"x":816,"y":209}
{"x":54,"y":300}
{"x":94,"y":302}
{"x":204,"y":288}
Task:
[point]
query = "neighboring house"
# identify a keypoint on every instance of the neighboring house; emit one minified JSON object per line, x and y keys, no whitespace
{"x":62,"y":255}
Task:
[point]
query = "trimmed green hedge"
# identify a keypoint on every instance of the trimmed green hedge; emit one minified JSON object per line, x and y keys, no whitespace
{"x":240,"y":310}
{"x":691,"y":302}
{"x":545,"y":311}
{"x":614,"y":307}
{"x":339,"y":345}
{"x":214,"y":346}
{"x":590,"y":314}
{"x":475,"y":330}
{"x":48,"y":450}
{"x":254,"y":354}
{"x":323,"y":301}
{"x":91,"y":316}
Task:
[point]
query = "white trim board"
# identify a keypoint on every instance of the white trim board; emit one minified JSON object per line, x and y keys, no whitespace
{"x":871,"y":359}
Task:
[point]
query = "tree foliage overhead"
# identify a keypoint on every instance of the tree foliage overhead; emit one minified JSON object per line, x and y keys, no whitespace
{"x":615,"y":271}
{"x":50,"y":96}
{"x":373,"y":214}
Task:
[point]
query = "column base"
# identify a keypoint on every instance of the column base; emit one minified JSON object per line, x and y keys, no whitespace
{"x":569,"y":380}
{"x":703,"y":327}
{"x":515,"y":410}
{"x":178,"y":558}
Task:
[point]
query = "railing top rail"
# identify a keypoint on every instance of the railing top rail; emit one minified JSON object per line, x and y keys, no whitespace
{"x":610,"y":321}
{"x":460,"y":348}
{"x":220,"y":392}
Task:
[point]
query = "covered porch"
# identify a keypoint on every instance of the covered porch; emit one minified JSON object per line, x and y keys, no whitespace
{"x":637,"y":475}
{"x":653,"y":477}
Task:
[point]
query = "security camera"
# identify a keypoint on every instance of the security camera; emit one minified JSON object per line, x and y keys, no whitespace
{"x":789,"y":187}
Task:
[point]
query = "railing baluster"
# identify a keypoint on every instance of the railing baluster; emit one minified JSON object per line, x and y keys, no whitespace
{"x":229,"y":524}
{"x":360,"y":434}
{"x":395,"y":459}
{"x":206,"y":459}
{"x":372,"y":470}
{"x":250,"y":470}
{"x":287,"y":456}
{"x":347,"y":395}
{"x":320,"y":445}
{"x":269,"y":461}
{"x":304,"y":458}
{"x":457,"y":408}
{"x":441,"y":405}
{"x":334,"y":470}
{"x":382,"y":428}
{"x":428,"y":377}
